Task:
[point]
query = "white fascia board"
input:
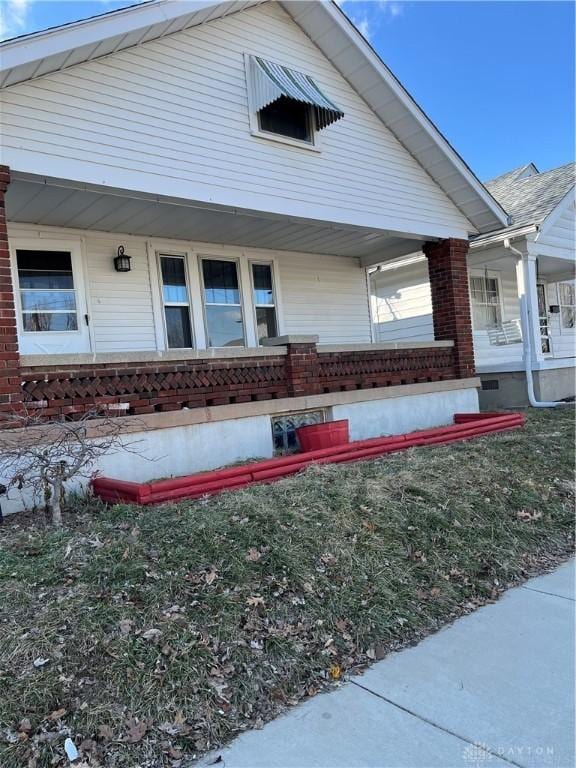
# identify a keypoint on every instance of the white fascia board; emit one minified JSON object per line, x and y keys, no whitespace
{"x":54,"y":42}
{"x":300,"y":11}
{"x":487,"y":241}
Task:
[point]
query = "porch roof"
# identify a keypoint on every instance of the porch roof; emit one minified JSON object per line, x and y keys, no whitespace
{"x":62,"y":203}
{"x":34,"y":55}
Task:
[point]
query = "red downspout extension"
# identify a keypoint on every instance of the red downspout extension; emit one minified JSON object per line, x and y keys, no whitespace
{"x":467,"y":425}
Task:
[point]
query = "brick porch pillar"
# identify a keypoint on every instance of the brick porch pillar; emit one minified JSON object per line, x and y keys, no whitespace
{"x":448,"y":271}
{"x":301,"y":363}
{"x":10,"y":385}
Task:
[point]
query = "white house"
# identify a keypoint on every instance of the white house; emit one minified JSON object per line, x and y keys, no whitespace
{"x":251,"y":159}
{"x":534,"y":258}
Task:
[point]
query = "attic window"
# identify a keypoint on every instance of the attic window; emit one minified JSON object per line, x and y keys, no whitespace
{"x":285,"y":103}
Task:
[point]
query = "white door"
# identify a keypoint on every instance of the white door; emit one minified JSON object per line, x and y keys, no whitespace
{"x":50,"y":298}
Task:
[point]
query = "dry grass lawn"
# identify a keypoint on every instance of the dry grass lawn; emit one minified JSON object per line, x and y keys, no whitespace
{"x":149,"y":635}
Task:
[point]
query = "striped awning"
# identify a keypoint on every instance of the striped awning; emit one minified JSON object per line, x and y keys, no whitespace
{"x":272,"y":81}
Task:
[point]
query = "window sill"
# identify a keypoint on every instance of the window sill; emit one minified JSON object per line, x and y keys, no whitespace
{"x":286,"y":140}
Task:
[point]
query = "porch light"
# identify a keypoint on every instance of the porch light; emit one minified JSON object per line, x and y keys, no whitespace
{"x":122,"y":261}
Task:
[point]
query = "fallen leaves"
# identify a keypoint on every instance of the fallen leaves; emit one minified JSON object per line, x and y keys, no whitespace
{"x":135,"y":730}
{"x":255,"y":601}
{"x":335,"y":672}
{"x":253,"y":555}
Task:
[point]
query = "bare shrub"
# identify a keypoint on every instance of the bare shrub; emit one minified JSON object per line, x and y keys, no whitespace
{"x":44,"y":456}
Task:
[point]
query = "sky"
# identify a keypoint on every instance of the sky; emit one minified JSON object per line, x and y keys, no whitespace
{"x":497,"y":78}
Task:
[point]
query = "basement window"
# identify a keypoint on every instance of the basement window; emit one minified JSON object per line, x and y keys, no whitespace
{"x":284,"y":429}
{"x":286,"y":105}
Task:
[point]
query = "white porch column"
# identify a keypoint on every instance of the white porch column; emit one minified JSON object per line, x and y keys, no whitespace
{"x":526,"y":281}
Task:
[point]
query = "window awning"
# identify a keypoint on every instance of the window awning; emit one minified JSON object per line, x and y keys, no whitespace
{"x":272,"y":81}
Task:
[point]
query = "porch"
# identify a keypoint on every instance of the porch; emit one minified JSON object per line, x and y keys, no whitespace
{"x":238,"y":318}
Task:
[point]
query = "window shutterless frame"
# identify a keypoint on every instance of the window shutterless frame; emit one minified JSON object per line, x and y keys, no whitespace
{"x":566,"y":290}
{"x":167,"y":304}
{"x":490,"y":275}
{"x":206,"y":305}
{"x":255,"y":304}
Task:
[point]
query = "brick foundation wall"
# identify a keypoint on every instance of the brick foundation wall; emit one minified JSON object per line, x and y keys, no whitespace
{"x":448,"y":271}
{"x":10,"y":394}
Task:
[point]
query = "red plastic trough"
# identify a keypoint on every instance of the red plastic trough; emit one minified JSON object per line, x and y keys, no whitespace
{"x":466,"y":425}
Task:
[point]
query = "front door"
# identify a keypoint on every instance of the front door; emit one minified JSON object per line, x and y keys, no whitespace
{"x":50,"y":299}
{"x":543,"y":318}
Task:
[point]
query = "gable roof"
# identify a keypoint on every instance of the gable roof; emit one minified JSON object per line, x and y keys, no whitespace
{"x":530,"y":199}
{"x":34,"y":55}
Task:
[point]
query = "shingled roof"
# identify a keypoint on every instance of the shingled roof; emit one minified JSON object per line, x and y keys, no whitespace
{"x":529,"y":196}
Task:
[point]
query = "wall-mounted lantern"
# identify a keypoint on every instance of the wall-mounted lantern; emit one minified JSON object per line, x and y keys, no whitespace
{"x":122,"y":261}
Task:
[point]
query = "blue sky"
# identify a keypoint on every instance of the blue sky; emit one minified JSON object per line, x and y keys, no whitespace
{"x":497,"y":78}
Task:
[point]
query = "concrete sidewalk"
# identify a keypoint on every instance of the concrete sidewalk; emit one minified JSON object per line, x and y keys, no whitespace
{"x":494,"y":689}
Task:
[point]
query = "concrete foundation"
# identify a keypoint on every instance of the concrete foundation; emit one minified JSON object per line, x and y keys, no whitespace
{"x":178,"y":449}
{"x":509,"y":390}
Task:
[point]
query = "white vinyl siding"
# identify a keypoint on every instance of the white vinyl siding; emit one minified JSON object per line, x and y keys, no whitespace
{"x":562,"y":232}
{"x":402,"y":310}
{"x":171,"y":116}
{"x":402,"y":304}
{"x":485,"y":352}
{"x":323,"y":295}
{"x":563,"y":340}
{"x":121,"y":303}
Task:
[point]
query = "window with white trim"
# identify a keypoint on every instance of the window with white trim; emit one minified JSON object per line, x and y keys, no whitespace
{"x":264,"y":300}
{"x":485,"y":302}
{"x":567,"y":301}
{"x":176,"y":301}
{"x":222,"y":303}
{"x":285,"y":104}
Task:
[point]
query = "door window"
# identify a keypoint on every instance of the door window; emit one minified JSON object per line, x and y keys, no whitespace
{"x":47,"y":292}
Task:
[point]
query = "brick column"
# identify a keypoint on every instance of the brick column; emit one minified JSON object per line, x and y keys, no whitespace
{"x":302,"y":375}
{"x":10,"y":385}
{"x":448,"y":271}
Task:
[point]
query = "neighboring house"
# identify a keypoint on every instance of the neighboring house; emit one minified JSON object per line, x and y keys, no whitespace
{"x":193,"y":194}
{"x":534,"y":258}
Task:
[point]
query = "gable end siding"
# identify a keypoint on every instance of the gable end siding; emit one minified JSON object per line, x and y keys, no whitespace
{"x":174,"y":114}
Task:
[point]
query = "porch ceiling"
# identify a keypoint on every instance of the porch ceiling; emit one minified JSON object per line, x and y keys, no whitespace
{"x":58,"y":203}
